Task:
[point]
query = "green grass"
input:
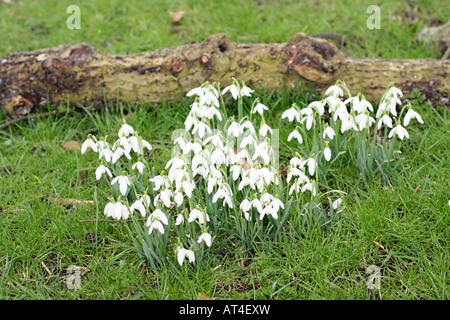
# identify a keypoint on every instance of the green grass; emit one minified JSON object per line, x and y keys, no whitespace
{"x":402,"y":227}
{"x":115,"y":27}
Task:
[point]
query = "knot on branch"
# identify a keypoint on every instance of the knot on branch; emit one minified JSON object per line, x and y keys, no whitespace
{"x":313,"y":58}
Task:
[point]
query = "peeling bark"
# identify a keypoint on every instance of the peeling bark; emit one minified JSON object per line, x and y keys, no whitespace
{"x":81,"y":75}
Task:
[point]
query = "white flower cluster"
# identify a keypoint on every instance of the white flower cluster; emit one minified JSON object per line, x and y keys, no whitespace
{"x":129,"y":145}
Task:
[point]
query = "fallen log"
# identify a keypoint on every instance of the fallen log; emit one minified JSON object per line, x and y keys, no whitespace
{"x":81,"y":75}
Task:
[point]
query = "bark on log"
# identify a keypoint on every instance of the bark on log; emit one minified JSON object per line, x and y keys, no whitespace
{"x":82,"y":75}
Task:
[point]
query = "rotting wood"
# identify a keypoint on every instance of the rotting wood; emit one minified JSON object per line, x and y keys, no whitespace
{"x":81,"y":75}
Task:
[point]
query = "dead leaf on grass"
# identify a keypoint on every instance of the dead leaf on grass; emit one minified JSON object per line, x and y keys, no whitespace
{"x":71,"y":145}
{"x":176,"y":16}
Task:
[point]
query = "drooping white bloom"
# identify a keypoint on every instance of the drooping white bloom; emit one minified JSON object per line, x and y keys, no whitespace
{"x":223,"y":192}
{"x":291,"y":114}
{"x":158,"y":214}
{"x":117,"y":210}
{"x":247,"y":141}
{"x":179,"y":220}
{"x":235,"y":129}
{"x":337,"y":203}
{"x":246,"y":91}
{"x":394,"y":92}
{"x":183,"y":253}
{"x":295,"y":134}
{"x":260,"y":108}
{"x":318,"y":106}
{"x":199,"y":215}
{"x":139,"y":206}
{"x":335,"y":91}
{"x":118,"y":153}
{"x":386,"y":120}
{"x":165,"y":196}
{"x":125,"y":130}
{"x":264,"y":129}
{"x":155,"y":224}
{"x":364,"y":120}
{"x":89,"y":143}
{"x":249,"y":126}
{"x":201,"y":128}
{"x":328,"y":132}
{"x":124,"y":183}
{"x":311,"y":162}
{"x":139,"y":166}
{"x":178,"y":198}
{"x":334,"y":104}
{"x":159,"y":181}
{"x":411,"y":114}
{"x":233,"y":90}
{"x":205,"y":237}
{"x":106,"y":153}
{"x":327,"y":153}
{"x":399,"y":131}
{"x":236,"y":170}
{"x":348,"y":124}
{"x":101,"y":170}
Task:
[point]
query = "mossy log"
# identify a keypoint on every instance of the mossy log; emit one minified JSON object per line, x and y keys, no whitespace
{"x":81,"y":75}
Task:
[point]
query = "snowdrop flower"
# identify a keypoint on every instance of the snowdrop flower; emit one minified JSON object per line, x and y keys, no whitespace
{"x":178,"y":198}
{"x":248,"y":140}
{"x":211,"y":112}
{"x":159,"y":181}
{"x":155,"y":224}
{"x":235,"y":129}
{"x":311,"y":162}
{"x":218,"y":157}
{"x":184,"y":253}
{"x":236,"y":170}
{"x":196,"y":91}
{"x":249,"y":126}
{"x":290,"y":114}
{"x":118,"y":153}
{"x":335,"y":91}
{"x":199,"y":215}
{"x":327,"y":153}
{"x":297,"y":162}
{"x":106,"y":153}
{"x":139,"y":166}
{"x":179,"y":220}
{"x":246,"y":91}
{"x":264,"y":129}
{"x":260,"y":108}
{"x":101,"y":170}
{"x":337,"y":203}
{"x":295,"y":134}
{"x":394,"y":92}
{"x":201,"y":128}
{"x":164,"y":196}
{"x":116,"y":210}
{"x":205,"y":237}
{"x":318,"y":105}
{"x":125,"y":130}
{"x":208,"y":98}
{"x":411,"y":114}
{"x":89,"y":143}
{"x":364,"y":121}
{"x":334,"y":104}
{"x":399,"y":131}
{"x":386,"y":120}
{"x":139,"y":205}
{"x":223,"y":193}
{"x":245,"y":205}
{"x":189,"y":122}
{"x":124,"y":182}
{"x":263,"y":151}
{"x":158,"y":215}
{"x":138,"y":145}
{"x":233,"y":90}
{"x":328,"y":132}
{"x":348,"y":124}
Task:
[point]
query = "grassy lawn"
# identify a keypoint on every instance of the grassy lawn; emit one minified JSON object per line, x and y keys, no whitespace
{"x":400,"y":226}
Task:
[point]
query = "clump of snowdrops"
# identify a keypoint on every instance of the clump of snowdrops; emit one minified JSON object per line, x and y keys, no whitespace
{"x":223,"y":183}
